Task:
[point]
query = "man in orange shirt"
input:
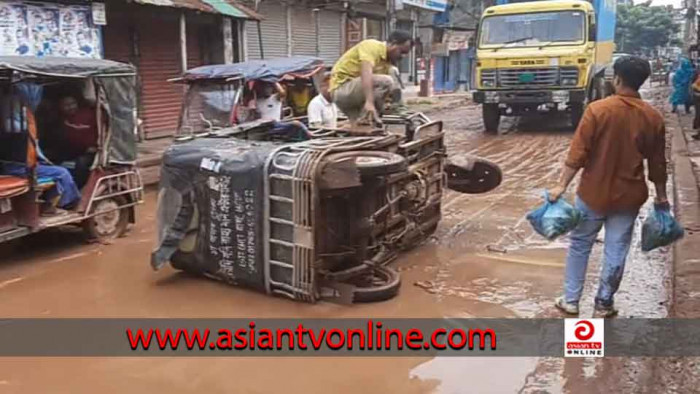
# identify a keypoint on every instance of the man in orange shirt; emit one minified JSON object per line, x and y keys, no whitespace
{"x":611,"y":143}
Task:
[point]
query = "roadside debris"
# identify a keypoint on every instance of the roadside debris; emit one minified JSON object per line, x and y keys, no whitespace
{"x":426,"y":285}
{"x":496,"y":248}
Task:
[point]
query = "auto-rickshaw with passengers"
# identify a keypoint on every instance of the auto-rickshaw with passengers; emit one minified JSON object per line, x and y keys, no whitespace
{"x":310,"y":216}
{"x":98,"y":188}
{"x":220,"y":96}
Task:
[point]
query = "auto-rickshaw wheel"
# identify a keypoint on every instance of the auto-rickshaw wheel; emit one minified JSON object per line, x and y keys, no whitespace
{"x":111,"y":224}
{"x":381,"y":285}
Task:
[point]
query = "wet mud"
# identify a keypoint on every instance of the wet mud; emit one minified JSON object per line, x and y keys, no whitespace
{"x":483,"y":261}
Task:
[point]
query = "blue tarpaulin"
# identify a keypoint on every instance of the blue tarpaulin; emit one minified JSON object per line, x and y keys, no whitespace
{"x":270,"y":70}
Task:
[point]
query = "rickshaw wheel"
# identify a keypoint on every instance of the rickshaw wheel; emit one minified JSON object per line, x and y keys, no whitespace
{"x":381,"y":285}
{"x":109,"y":225}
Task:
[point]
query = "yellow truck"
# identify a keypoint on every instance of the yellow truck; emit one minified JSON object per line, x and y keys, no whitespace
{"x":543,"y":56}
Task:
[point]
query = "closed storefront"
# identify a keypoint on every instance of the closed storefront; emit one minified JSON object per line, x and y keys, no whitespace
{"x":274,"y":32}
{"x":332,"y":37}
{"x":293,"y":31}
{"x":150,"y":38}
{"x":117,"y":45}
{"x":159,"y":61}
{"x":303,"y":32}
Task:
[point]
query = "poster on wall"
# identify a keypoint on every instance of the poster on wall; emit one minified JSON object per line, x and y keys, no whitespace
{"x":14,"y":31}
{"x":76,"y":33}
{"x":38,"y":29}
{"x":43,"y":23}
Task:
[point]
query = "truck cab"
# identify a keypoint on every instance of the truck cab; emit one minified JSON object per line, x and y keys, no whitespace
{"x":543,"y":56}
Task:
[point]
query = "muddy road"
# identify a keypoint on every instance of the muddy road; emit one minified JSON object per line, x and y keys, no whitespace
{"x":484,"y":260}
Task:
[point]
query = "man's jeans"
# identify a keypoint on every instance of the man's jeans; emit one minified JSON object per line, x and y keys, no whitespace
{"x":618,"y":236}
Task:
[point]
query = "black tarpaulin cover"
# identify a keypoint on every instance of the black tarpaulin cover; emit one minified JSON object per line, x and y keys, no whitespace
{"x":121,"y":99}
{"x":212,"y":198}
{"x":270,"y":70}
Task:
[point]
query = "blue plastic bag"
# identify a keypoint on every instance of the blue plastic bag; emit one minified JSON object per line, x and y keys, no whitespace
{"x":660,"y":228}
{"x":554,"y":219}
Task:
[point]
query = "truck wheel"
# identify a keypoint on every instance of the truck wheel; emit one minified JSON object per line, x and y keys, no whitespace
{"x":491,"y":115}
{"x":576,"y":113}
{"x":381,"y":285}
{"x":108,"y":225}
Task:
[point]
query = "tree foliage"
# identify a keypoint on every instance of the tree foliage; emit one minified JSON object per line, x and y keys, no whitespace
{"x":641,"y":28}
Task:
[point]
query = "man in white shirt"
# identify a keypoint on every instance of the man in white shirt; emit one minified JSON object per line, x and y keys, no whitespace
{"x":322,"y":112}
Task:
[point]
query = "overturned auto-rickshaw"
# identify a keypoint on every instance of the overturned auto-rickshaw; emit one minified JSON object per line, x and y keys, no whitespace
{"x":319,"y":218}
{"x":38,"y":163}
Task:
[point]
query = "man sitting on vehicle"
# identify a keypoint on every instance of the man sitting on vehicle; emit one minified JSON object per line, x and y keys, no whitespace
{"x":79,"y":124}
{"x":361,"y":80}
{"x":322,"y":111}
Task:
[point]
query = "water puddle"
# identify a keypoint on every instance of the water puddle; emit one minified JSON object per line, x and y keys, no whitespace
{"x":458,"y":375}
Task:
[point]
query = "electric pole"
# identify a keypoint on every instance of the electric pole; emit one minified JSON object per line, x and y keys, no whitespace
{"x":690,"y":34}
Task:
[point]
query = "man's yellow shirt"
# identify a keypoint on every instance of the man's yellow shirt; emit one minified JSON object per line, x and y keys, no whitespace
{"x":349,"y":66}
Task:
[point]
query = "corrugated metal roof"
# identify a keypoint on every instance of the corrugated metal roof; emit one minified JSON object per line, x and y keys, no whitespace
{"x":224,"y":7}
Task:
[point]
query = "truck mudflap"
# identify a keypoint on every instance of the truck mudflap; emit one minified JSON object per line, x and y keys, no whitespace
{"x":529,"y":96}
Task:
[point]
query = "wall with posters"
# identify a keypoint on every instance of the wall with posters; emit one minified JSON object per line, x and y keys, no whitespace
{"x":48,"y":29}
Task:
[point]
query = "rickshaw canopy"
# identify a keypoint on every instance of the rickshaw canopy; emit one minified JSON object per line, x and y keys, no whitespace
{"x":269,"y":70}
{"x":65,"y":67}
{"x":116,"y":80}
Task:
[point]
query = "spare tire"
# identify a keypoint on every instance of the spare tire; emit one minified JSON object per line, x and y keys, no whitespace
{"x":372,"y":163}
{"x":383,"y":284}
{"x":483,"y":176}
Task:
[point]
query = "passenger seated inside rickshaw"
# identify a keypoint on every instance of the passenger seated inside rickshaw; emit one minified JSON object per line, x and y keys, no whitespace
{"x":264,"y":102}
{"x":301,"y":91}
{"x":68,"y":125}
{"x":21,"y":150}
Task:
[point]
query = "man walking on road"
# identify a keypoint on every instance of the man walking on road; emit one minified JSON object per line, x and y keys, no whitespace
{"x":613,"y":139}
{"x":361,"y":81}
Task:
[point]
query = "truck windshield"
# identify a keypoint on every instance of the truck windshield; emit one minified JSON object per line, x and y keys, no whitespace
{"x":532,"y":29}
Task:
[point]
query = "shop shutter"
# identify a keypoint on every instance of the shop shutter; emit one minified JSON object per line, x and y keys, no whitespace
{"x":303,"y":32}
{"x":274,"y":32}
{"x":331,"y":37}
{"x":195,"y":56}
{"x":160,"y":54}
